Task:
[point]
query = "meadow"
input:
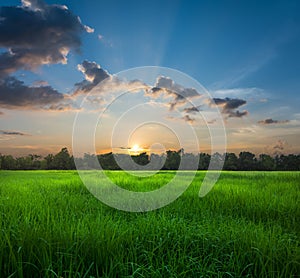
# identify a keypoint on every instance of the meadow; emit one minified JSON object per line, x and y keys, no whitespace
{"x":247,"y":226}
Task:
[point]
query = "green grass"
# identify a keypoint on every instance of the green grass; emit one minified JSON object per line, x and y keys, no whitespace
{"x":247,"y":226}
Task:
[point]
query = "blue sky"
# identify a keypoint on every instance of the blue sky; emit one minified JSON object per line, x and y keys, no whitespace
{"x":221,"y":44}
{"x":247,"y":50}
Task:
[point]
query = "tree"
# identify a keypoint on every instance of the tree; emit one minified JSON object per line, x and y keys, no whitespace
{"x":24,"y":163}
{"x":204,"y":161}
{"x":266,"y":162}
{"x":141,"y":159}
{"x":173,"y":160}
{"x":189,"y":161}
{"x":90,"y":161}
{"x":48,"y":162}
{"x":217,"y":161}
{"x":157,"y":161}
{"x":8,"y":162}
{"x":246,"y":161}
{"x":108,"y":162}
{"x":62,"y":160}
{"x":291,"y":162}
{"x":169,"y":161}
{"x":231,"y":161}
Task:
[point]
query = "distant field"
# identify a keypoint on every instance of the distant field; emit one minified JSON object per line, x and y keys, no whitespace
{"x":247,"y":226}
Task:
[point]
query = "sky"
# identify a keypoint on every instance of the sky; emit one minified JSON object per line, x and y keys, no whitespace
{"x":133,"y":76}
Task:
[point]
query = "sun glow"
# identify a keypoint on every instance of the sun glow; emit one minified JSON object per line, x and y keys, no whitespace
{"x":136,"y":148}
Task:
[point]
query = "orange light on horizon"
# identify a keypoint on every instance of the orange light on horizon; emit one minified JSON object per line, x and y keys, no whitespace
{"x":135,"y":149}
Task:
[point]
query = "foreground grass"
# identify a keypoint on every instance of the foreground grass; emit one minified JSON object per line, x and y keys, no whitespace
{"x":247,"y":226}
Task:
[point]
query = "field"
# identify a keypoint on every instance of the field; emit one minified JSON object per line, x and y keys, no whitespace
{"x":247,"y":226}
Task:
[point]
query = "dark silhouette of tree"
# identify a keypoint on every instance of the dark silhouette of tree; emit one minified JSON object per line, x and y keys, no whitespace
{"x":157,"y":161}
{"x":289,"y":162}
{"x":173,"y":160}
{"x":246,"y":161}
{"x":141,"y":159}
{"x":231,"y":161}
{"x":8,"y":162}
{"x":204,"y":160}
{"x":108,"y":162}
{"x":72,"y":163}
{"x":217,"y":161}
{"x":190,"y":160}
{"x":62,"y":160}
{"x":90,"y":162}
{"x":48,"y":164}
{"x":266,"y":162}
{"x":24,"y":163}
{"x":167,"y":161}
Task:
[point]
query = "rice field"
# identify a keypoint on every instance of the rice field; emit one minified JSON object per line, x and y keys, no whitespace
{"x":247,"y":226}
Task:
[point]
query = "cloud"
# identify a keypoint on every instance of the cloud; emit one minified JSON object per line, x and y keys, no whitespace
{"x":93,"y":74}
{"x":188,"y":119}
{"x":9,"y":135}
{"x":192,"y":110}
{"x":229,"y":103}
{"x":6,"y":132}
{"x":164,"y":82}
{"x":238,"y":114}
{"x":101,"y":86}
{"x":271,"y":121}
{"x":15,"y":94}
{"x":279,"y":147}
{"x":1,"y":113}
{"x":229,"y":106}
{"x":166,"y":86}
{"x":35,"y":34}
{"x":33,"y":4}
{"x":89,"y":29}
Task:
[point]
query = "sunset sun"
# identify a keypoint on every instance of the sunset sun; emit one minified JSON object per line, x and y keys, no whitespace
{"x":136,"y":149}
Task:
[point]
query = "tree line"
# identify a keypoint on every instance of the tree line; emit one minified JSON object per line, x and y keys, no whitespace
{"x":245,"y":161}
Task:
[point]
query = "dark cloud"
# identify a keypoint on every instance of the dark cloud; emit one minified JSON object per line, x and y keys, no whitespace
{"x":271,"y":121}
{"x":155,"y":90}
{"x":93,"y":74}
{"x":229,"y":103}
{"x":229,"y":106}
{"x":237,"y":114}
{"x":164,"y":82}
{"x":192,"y":110}
{"x":6,"y":132}
{"x":15,"y":94}
{"x":181,"y":95}
{"x":188,"y":119}
{"x":35,"y":34}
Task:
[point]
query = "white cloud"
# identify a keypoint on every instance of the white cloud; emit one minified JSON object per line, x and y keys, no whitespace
{"x":89,"y":29}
